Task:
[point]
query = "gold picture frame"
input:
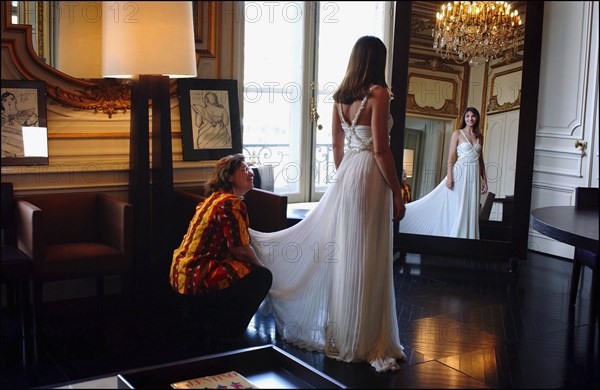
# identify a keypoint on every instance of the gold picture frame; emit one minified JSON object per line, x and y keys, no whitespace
{"x":207,"y":27}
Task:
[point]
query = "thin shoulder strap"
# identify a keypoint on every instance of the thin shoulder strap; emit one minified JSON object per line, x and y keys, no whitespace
{"x":363,"y":104}
{"x":360,"y":108}
{"x":342,"y":119}
{"x":464,"y":135}
{"x":358,"y":112}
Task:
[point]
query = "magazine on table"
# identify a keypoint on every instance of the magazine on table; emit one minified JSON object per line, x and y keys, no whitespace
{"x":226,"y":380}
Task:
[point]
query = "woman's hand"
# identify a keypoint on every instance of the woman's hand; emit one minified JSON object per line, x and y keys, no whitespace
{"x":450,"y":184}
{"x":484,"y":186}
{"x":246,"y":253}
{"x":399,"y":208}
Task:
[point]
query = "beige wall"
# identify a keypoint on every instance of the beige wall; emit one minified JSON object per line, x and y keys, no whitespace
{"x":89,"y":151}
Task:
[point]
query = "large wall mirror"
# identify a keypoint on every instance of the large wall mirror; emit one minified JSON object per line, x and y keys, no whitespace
{"x":504,"y":90}
{"x":60,"y":42}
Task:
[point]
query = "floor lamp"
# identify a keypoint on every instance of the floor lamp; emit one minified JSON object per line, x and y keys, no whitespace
{"x":149,"y":42}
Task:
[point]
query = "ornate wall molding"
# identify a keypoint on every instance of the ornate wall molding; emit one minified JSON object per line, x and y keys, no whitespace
{"x":105,"y":96}
{"x":448,"y":110}
{"x":433,"y":88}
{"x":493,"y":106}
{"x":108,"y":96}
{"x":207,"y":28}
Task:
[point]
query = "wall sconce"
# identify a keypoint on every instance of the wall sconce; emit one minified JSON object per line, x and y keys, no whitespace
{"x":408,"y":159}
{"x":149,"y":42}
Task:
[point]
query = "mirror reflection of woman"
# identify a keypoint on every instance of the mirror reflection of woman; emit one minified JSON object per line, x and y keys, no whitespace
{"x":452,"y":208}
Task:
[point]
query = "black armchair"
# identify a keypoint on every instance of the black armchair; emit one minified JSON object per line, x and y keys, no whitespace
{"x":15,"y":272}
{"x":586,"y":197}
{"x":77,"y":235}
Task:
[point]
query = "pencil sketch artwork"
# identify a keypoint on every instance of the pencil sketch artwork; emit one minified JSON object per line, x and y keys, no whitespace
{"x":19,"y":108}
{"x":211,"y":125}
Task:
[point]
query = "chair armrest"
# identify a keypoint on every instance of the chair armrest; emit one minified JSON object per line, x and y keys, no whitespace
{"x":116,"y":223}
{"x":29,"y":229}
{"x":183,"y":208}
{"x":485,"y":209}
{"x":267,"y":210}
{"x":190,"y":198}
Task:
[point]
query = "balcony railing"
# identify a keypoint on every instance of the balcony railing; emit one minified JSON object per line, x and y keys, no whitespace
{"x":288,"y":173}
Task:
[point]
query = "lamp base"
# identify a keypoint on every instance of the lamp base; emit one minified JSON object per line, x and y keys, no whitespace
{"x":150,"y":190}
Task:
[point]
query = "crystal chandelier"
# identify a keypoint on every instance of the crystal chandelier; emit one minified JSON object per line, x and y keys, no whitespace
{"x":475,"y":30}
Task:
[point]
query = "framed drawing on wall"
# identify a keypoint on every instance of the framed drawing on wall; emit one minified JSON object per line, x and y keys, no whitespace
{"x":24,"y":132}
{"x":210,"y":118}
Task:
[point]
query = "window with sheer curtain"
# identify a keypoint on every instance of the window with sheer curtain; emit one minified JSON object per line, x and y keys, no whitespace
{"x":295,"y":54}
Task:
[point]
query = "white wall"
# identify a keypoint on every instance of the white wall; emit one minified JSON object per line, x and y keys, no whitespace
{"x":567,"y":111}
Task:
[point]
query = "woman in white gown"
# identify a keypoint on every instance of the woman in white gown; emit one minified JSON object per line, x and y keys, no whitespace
{"x":452,"y":208}
{"x":332,"y":272}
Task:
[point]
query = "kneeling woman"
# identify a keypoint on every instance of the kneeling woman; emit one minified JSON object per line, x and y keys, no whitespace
{"x":215,"y":261}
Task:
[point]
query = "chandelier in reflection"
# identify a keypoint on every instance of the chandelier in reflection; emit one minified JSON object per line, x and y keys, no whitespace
{"x":474,"y":31}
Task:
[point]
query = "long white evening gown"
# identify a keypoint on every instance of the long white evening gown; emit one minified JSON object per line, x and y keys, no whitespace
{"x":445,"y":212}
{"x":333,"y":289}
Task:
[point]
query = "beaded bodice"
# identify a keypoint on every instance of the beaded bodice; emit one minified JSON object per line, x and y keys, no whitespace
{"x":467,"y":151}
{"x":358,"y":137}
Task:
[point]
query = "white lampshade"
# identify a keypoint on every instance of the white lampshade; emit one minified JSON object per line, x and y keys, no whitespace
{"x":408,"y":159}
{"x":148,"y":38}
{"x":79,"y":39}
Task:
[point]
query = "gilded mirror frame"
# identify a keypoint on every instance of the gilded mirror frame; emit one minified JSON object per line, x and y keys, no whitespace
{"x":107,"y":96}
{"x":516,"y":246}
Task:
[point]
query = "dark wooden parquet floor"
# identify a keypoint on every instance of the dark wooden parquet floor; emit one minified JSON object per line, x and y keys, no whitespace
{"x":464,"y":324}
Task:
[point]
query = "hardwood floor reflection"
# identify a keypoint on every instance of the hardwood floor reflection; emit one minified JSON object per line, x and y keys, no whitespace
{"x":464,"y":324}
